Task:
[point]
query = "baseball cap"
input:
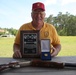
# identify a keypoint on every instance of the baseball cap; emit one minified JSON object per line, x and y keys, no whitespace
{"x":38,"y":5}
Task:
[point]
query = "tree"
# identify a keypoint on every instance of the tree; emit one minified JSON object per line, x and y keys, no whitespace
{"x":64,"y":23}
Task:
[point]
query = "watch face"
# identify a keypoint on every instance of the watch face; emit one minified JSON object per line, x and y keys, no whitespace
{"x":29,"y":42}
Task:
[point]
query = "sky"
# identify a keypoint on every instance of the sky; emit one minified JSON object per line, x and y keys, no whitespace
{"x":14,"y":13}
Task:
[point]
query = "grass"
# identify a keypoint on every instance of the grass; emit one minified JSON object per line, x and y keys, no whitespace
{"x":6,"y":47}
{"x":68,"y":46}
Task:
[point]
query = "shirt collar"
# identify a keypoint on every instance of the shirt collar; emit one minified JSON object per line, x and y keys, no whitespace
{"x":31,"y":26}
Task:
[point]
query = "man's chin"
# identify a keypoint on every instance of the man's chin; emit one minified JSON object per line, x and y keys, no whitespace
{"x":39,"y":22}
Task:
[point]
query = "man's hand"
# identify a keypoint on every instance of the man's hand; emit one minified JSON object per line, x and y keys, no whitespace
{"x":17,"y":54}
{"x":55,"y":50}
{"x":16,"y":49}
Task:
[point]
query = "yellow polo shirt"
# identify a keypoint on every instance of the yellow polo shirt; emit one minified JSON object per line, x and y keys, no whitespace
{"x":48,"y":31}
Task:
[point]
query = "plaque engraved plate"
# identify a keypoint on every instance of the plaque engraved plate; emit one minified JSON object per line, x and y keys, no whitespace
{"x":29,"y":43}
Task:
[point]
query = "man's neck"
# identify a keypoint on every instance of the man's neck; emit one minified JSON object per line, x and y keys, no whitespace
{"x":37,"y":27}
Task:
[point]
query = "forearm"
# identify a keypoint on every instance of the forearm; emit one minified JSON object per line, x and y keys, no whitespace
{"x":17,"y":53}
{"x":16,"y":47}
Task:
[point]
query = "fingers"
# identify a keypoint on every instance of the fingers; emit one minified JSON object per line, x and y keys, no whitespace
{"x":17,"y":54}
{"x":54,"y":52}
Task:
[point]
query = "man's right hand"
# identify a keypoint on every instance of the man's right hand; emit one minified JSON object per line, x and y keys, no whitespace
{"x":17,"y":54}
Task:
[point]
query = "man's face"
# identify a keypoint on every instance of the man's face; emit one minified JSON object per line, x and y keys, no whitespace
{"x":38,"y":16}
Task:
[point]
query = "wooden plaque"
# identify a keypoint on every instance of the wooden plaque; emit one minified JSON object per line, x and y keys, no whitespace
{"x":29,"y":43}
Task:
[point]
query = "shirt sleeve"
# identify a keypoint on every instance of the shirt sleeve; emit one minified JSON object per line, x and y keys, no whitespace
{"x":56,"y":39}
{"x":17,"y":38}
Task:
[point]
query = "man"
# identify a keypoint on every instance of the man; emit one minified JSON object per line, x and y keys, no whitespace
{"x":47,"y":31}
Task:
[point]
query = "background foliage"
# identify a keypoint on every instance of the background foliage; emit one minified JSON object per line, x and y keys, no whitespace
{"x":64,"y":23}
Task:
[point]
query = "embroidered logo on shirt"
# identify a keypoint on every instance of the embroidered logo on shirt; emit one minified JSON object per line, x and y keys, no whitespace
{"x":46,"y":34}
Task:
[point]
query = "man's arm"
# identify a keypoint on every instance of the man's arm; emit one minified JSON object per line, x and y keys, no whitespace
{"x":55,"y":50}
{"x":16,"y":49}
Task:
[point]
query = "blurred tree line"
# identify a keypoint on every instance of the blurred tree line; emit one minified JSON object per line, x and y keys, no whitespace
{"x":65,"y":24}
{"x":8,"y":31}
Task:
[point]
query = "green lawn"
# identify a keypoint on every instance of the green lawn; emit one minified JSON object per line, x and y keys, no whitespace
{"x":6,"y":47}
{"x":68,"y":46}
